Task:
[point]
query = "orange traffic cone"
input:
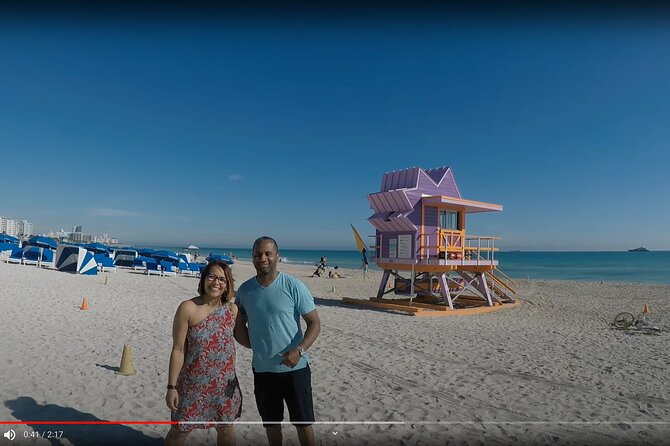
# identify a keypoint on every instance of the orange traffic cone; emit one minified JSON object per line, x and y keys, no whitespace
{"x":84,"y":304}
{"x":646,"y":309}
{"x":126,"y":362}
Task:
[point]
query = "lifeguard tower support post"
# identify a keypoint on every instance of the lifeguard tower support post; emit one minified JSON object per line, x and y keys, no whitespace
{"x":420,"y":221}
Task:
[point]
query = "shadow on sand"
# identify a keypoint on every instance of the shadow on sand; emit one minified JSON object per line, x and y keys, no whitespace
{"x":339,"y":304}
{"x":27,"y":409}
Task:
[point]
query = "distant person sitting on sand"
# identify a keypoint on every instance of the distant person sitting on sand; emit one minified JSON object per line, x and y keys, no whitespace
{"x":320,"y":271}
{"x":323,"y":262}
{"x":334,"y":273}
{"x":202,"y":384}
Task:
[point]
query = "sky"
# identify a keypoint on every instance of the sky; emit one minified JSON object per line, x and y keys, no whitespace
{"x":212,"y":130}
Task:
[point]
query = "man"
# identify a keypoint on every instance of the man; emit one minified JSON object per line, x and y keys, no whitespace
{"x":272,"y":304}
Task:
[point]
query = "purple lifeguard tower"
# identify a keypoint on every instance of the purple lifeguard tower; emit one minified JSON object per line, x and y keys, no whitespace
{"x":421,"y":241}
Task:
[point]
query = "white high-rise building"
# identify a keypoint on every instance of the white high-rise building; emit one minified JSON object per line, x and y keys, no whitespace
{"x":25,"y":228}
{"x":9,"y":226}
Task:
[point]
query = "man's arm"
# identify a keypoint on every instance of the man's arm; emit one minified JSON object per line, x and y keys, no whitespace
{"x":313,"y":322}
{"x":313,"y":329}
{"x":241,"y":331}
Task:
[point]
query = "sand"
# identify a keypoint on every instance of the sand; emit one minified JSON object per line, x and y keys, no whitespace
{"x":550,"y":371}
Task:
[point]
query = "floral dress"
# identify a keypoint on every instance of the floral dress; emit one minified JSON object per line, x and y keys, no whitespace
{"x":207,"y":384}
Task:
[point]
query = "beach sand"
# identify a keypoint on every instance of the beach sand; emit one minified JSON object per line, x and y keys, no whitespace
{"x":549,"y":371}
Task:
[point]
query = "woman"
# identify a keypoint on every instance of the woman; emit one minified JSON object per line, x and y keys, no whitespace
{"x":202,"y":385}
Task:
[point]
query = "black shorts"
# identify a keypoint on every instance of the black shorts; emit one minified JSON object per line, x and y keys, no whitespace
{"x":295,"y":387}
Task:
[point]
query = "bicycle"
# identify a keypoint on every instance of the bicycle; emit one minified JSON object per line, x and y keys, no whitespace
{"x":626,"y":321}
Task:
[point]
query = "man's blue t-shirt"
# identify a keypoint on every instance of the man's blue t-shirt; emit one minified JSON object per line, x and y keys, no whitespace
{"x":273,"y":315}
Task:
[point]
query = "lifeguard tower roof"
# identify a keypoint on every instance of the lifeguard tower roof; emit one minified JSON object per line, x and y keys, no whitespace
{"x":397,"y":207}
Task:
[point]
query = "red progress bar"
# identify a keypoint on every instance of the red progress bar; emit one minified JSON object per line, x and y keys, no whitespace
{"x":88,"y":422}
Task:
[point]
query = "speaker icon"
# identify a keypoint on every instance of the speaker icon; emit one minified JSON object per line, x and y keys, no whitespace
{"x":10,"y":434}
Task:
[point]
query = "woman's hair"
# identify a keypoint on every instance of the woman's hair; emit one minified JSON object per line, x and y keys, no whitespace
{"x":229,"y":293}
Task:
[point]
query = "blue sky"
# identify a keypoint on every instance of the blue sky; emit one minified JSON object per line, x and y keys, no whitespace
{"x":213,"y":132}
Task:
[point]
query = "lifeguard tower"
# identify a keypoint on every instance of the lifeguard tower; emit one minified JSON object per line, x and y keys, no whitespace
{"x":421,"y":241}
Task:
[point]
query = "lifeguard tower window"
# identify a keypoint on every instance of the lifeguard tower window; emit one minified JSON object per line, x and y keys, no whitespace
{"x":449,"y":220}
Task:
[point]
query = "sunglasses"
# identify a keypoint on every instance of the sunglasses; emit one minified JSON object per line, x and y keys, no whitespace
{"x":212,"y":278}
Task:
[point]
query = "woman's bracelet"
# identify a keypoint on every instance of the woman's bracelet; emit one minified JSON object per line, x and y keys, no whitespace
{"x":171,"y":387}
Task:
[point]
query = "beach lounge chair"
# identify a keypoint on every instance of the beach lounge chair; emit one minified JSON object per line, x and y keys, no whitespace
{"x":31,"y":256}
{"x":139,"y":263}
{"x":6,"y":249}
{"x":16,"y":256}
{"x":105,"y":263}
{"x":47,"y":259}
{"x":167,"y":268}
{"x":194,"y":268}
{"x":182,"y":268}
{"x":153,"y":268}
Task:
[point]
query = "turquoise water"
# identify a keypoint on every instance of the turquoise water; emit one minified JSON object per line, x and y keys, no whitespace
{"x":620,"y":266}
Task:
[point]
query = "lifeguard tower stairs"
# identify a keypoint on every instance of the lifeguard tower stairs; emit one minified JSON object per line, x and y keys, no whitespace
{"x":422,"y":246}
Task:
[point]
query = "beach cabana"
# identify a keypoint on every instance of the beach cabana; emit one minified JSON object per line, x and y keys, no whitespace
{"x":76,"y":260}
{"x":124,"y":256}
{"x":421,"y":243}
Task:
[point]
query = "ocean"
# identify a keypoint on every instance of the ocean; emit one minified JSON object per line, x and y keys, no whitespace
{"x":610,"y":266}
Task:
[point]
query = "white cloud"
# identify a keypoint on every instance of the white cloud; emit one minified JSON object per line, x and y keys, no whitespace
{"x":235,"y":177}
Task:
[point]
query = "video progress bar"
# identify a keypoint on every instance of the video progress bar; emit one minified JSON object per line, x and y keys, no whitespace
{"x":338,"y":423}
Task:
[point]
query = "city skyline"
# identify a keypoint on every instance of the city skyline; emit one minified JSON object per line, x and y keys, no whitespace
{"x":215,"y":131}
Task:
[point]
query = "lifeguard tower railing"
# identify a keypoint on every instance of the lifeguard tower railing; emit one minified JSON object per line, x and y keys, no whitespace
{"x":454,"y":247}
{"x":446,"y":247}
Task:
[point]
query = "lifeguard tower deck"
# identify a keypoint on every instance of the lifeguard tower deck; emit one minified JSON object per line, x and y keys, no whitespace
{"x":421,"y":242}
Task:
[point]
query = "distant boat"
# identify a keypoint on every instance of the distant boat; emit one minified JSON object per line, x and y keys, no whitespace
{"x":640,"y":249}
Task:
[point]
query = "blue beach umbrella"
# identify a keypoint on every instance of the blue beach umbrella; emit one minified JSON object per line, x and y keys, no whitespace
{"x":166,"y":255}
{"x":97,"y":248}
{"x":43,"y":242}
{"x":4,"y":238}
{"x":144,"y":259}
{"x":7,"y":246}
{"x":147,"y":252}
{"x":224,"y":258}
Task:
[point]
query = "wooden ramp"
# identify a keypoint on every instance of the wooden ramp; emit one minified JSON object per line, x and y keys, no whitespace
{"x":430,"y":306}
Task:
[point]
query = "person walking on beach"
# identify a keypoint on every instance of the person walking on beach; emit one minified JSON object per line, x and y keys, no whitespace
{"x":364,"y":266}
{"x":202,"y":384}
{"x":272,"y":304}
